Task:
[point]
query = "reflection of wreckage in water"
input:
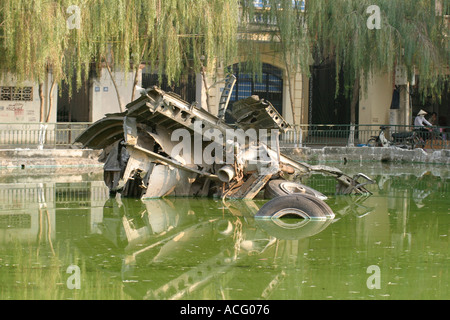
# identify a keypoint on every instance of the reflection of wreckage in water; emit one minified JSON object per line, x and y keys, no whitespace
{"x":147,"y":236}
{"x":145,"y":157}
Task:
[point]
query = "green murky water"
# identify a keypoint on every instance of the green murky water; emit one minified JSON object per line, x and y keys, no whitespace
{"x":61,"y":237}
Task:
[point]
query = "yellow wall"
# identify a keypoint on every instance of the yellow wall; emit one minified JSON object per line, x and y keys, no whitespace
{"x":375,"y":103}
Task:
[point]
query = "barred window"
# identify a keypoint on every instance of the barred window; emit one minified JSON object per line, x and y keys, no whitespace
{"x":16,"y":93}
{"x":268,"y":86}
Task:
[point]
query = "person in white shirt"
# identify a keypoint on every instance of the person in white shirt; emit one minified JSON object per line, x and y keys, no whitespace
{"x":419,"y":124}
{"x":420,"y":119}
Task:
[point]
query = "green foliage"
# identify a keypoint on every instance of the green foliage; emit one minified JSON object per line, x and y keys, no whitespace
{"x":410,"y":35}
{"x":167,"y":34}
{"x":180,"y":36}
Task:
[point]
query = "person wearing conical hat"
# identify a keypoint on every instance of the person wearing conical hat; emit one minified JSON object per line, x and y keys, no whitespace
{"x":420,"y":120}
{"x":419,"y":124}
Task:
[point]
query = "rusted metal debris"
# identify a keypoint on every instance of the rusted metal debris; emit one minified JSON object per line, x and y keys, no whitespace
{"x":145,"y":157}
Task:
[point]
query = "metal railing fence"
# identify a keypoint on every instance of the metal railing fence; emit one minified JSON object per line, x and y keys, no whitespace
{"x":317,"y":135}
{"x":63,"y":135}
{"x":40,"y":135}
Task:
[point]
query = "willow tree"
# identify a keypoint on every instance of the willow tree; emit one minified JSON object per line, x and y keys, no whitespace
{"x":282,"y":23}
{"x":173,"y":36}
{"x":408,"y":33}
{"x":411,"y":33}
{"x":170,"y":35}
{"x":33,"y":43}
{"x":192,"y":35}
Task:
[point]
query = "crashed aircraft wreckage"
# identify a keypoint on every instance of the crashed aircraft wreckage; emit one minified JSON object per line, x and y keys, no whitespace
{"x":164,"y":146}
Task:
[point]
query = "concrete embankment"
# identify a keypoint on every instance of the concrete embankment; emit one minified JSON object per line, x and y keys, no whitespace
{"x":25,"y":158}
{"x":31,"y":158}
{"x":360,"y":154}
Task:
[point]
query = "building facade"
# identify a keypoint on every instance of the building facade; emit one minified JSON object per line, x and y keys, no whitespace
{"x":20,"y":101}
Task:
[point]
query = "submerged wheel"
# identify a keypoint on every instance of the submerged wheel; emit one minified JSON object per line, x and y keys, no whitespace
{"x":298,"y":206}
{"x":292,"y":231}
{"x":322,"y":204}
{"x":276,"y":188}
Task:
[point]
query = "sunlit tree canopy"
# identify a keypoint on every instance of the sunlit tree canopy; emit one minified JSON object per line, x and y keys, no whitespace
{"x":173,"y":36}
{"x":410,"y":33}
{"x":38,"y":35}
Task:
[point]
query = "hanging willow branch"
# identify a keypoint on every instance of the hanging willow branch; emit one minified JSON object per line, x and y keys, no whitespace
{"x":34,"y":34}
{"x":411,"y":34}
{"x":173,"y":34}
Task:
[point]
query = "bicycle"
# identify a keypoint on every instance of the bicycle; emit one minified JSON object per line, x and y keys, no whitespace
{"x":432,"y":134}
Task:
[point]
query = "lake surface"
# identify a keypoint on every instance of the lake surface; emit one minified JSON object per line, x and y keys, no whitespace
{"x":62,"y":237}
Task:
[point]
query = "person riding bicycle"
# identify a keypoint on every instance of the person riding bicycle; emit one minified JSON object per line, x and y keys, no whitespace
{"x":419,"y":124}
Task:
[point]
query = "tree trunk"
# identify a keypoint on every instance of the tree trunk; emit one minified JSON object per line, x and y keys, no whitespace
{"x":50,"y":107}
{"x":119,"y":99}
{"x":206,"y":88}
{"x":42,"y":101}
{"x":135,"y":81}
{"x":355,"y":99}
{"x":291,"y":94}
{"x":288,"y":73}
{"x":138,"y":66}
